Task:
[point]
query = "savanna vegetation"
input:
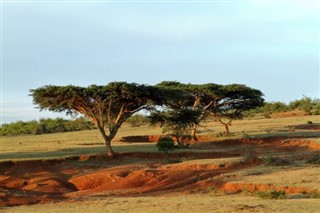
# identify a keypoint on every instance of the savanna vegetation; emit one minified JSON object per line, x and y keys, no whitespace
{"x":45,"y":126}
{"x":106,"y":106}
{"x":264,"y":161}
{"x":262,"y":158}
{"x":306,"y":104}
{"x":175,"y":105}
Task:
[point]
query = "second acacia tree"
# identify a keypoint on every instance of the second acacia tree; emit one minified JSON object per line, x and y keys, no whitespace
{"x":225,"y":102}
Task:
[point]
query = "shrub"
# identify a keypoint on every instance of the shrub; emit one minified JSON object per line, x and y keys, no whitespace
{"x":267,"y":160}
{"x":212,"y":190}
{"x":315,"y":159}
{"x":274,"y":161}
{"x":273,"y":194}
{"x":165,"y":144}
{"x":308,"y":105}
{"x":315,"y":194}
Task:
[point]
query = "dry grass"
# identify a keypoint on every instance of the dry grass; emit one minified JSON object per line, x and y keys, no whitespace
{"x":67,"y":144}
{"x":177,"y":203}
{"x":89,"y":142}
{"x":300,"y":176}
{"x":263,"y":127}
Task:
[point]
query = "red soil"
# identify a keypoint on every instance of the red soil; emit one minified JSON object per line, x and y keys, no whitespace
{"x":31,"y":182}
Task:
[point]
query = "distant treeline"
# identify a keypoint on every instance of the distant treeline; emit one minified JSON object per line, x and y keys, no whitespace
{"x":44,"y":126}
{"x":306,"y":104}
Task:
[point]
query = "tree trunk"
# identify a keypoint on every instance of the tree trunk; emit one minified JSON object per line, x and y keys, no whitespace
{"x":227,"y":129}
{"x":110,"y":152}
{"x":107,"y":140}
{"x":194,"y":132}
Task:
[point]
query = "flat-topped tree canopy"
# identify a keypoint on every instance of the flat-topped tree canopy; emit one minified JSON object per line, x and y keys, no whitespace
{"x":173,"y":95}
{"x":198,"y":95}
{"x":200,"y":98}
{"x":220,"y":100}
{"x":107,"y":106}
{"x":237,"y":98}
{"x":241,"y":96}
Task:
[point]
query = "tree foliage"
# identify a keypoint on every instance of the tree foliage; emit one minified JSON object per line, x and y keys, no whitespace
{"x":178,"y":107}
{"x":236,"y":99}
{"x":226,"y":102}
{"x":176,"y":123}
{"x":306,"y":104}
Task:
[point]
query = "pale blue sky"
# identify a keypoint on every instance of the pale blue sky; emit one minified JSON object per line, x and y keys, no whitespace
{"x":272,"y":46}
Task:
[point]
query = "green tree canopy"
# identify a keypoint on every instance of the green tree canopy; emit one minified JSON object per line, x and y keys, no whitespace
{"x":237,"y":98}
{"x":227,"y":101}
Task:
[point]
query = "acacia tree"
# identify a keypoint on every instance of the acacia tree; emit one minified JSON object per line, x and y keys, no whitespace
{"x":106,"y":106}
{"x":224,"y":102}
{"x":201,"y":98}
{"x":237,"y":98}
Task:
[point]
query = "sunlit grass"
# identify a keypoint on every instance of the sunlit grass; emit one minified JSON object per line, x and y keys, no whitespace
{"x":90,"y":142}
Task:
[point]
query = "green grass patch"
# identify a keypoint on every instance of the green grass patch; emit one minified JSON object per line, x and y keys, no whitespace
{"x":273,"y":194}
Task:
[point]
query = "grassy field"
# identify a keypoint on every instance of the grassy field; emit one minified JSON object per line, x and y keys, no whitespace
{"x":89,"y":142}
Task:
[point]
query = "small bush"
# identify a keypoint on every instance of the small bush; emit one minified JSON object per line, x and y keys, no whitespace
{"x":314,"y":159}
{"x":274,"y":161}
{"x":273,"y":194}
{"x":212,"y":190}
{"x":165,"y":144}
{"x":315,"y":194}
{"x":267,"y":160}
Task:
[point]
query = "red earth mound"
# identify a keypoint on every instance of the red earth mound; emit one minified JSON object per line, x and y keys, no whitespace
{"x":142,"y":179}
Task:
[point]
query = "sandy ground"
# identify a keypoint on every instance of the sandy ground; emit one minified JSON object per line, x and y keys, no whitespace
{"x":174,"y":203}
